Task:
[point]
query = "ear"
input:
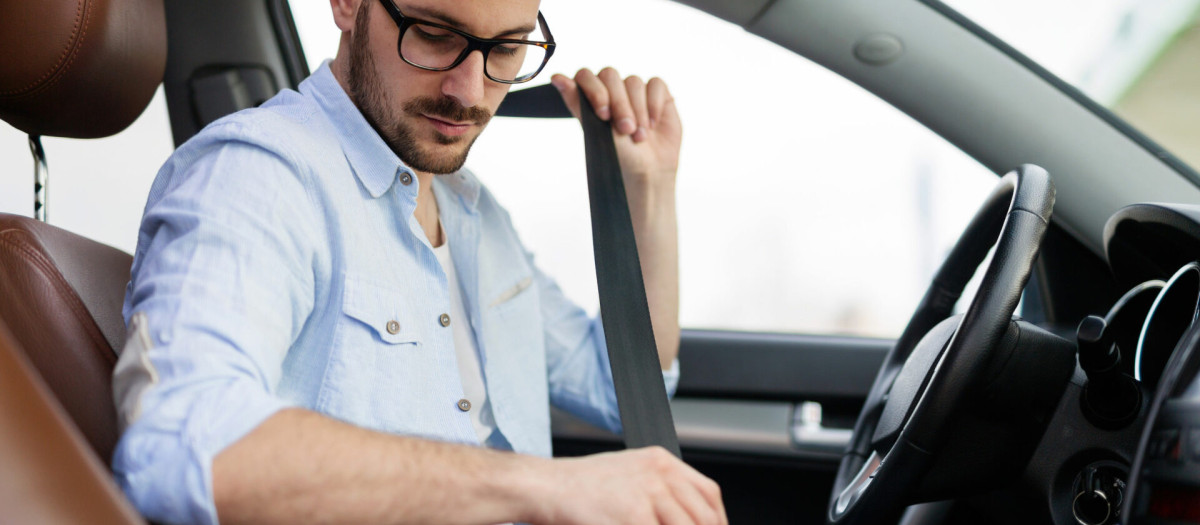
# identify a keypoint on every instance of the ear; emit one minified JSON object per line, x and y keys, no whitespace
{"x":344,"y":13}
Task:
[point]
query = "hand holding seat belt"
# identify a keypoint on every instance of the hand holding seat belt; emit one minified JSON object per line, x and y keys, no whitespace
{"x":625,"y":313}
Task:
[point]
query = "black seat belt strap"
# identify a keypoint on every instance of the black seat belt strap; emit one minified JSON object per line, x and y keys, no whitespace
{"x":637,"y":375}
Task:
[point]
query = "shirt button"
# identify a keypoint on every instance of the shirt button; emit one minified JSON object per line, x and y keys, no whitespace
{"x":393,"y":327}
{"x":445,"y":319}
{"x":405,"y":178}
{"x":464,"y":405}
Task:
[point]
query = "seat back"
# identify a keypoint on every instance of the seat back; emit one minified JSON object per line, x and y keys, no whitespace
{"x":61,"y":296}
{"x":49,"y":474}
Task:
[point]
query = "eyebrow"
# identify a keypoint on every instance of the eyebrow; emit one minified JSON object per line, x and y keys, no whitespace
{"x":440,"y":16}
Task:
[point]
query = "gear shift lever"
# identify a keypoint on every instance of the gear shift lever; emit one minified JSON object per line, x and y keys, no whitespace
{"x":1111,"y":399}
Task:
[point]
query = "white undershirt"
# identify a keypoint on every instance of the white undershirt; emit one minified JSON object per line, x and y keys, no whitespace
{"x":467,"y":351}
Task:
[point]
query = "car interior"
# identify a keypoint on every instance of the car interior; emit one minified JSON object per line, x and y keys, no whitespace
{"x":1084,"y":408}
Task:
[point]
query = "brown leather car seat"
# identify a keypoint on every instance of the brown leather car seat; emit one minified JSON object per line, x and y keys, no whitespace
{"x":49,"y":473}
{"x":61,"y":295}
{"x":70,"y":68}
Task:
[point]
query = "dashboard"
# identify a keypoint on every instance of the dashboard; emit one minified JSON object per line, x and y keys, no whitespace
{"x":1152,"y":249}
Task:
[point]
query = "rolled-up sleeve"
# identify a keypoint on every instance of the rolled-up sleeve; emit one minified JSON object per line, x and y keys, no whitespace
{"x":222,"y":284}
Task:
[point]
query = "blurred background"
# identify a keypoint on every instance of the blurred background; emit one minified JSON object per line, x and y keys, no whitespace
{"x":806,"y":204}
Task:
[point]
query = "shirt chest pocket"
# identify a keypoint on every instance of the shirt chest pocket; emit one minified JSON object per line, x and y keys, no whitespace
{"x":513,"y":322}
{"x":381,"y":374}
{"x":513,"y":296}
{"x":383,"y":311}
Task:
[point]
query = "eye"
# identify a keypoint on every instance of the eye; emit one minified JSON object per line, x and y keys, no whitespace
{"x":507,"y":49}
{"x":432,"y":34}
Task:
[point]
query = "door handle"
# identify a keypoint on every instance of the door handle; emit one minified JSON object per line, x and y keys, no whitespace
{"x":812,"y":437}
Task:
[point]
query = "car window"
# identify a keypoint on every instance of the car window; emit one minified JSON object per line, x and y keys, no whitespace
{"x":97,"y":187}
{"x":806,"y":204}
{"x":1135,"y":57}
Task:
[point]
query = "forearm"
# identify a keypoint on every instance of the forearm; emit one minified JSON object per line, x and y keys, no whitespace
{"x":302,"y":467}
{"x":652,"y":209}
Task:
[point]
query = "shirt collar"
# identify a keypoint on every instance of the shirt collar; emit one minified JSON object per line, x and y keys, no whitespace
{"x":373,"y":162}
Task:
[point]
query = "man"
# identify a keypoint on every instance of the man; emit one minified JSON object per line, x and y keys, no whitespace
{"x":328,"y":316}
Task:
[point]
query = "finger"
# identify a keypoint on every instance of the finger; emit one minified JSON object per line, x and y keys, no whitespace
{"x":710,"y":491}
{"x":636,"y":89}
{"x":658,"y":97}
{"x":671,"y":512}
{"x":569,"y":91}
{"x":694,"y":503}
{"x":594,"y":90}
{"x":623,"y":120}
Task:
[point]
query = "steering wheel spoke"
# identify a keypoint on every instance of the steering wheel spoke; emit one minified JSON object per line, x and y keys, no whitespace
{"x":855,"y":488}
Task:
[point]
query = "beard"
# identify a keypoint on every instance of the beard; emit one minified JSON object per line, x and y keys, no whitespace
{"x":367,"y":92}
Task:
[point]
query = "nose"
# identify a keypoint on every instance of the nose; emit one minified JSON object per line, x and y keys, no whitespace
{"x":465,"y":83}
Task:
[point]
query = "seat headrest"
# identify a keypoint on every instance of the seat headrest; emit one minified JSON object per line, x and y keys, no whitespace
{"x":79,"y":68}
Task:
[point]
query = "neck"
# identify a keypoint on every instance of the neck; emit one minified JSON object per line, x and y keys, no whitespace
{"x":337,"y":66}
{"x":427,"y":210}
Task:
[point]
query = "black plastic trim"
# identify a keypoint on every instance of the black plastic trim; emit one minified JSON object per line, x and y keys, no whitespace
{"x":289,"y":41}
{"x":192,"y":46}
{"x":1072,"y":282}
{"x":1069,"y":90}
{"x":785,"y":367}
{"x":1150,"y":240}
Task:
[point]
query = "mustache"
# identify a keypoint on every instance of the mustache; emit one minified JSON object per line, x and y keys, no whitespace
{"x":448,"y":109}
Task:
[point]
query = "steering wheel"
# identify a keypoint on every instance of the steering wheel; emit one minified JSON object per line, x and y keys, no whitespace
{"x":939,"y":359}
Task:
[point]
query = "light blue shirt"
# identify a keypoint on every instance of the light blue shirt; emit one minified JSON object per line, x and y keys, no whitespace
{"x":279,"y":264}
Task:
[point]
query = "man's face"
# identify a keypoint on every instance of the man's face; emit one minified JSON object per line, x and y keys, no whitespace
{"x":430,"y":118}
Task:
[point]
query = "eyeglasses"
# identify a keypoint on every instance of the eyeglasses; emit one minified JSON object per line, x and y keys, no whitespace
{"x":436,"y":47}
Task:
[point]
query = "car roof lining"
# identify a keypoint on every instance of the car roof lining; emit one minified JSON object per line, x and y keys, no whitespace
{"x":949,"y":79}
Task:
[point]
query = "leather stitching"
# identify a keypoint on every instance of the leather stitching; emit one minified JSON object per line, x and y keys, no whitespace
{"x":69,"y":52}
{"x":39,"y":262}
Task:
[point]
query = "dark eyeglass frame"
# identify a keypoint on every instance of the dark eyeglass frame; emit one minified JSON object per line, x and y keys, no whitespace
{"x":474,"y":43}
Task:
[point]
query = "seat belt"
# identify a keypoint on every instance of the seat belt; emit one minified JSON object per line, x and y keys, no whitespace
{"x":632,"y":353}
